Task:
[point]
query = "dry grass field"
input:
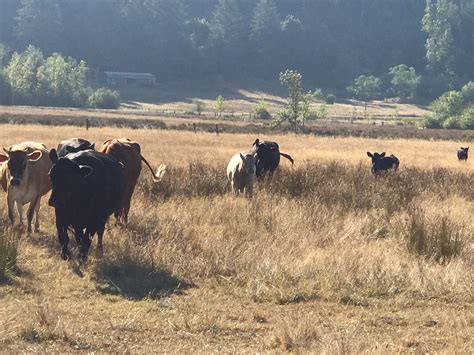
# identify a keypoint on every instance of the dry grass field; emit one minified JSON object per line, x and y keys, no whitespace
{"x":244,"y":101}
{"x":325,"y":258}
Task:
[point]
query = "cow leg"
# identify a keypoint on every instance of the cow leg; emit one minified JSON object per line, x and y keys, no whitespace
{"x":10,"y":203}
{"x":126,"y":209}
{"x":19,"y":207}
{"x":235,"y":190}
{"x":249,"y":191}
{"x":100,"y":248}
{"x":78,"y":236}
{"x":127,"y":201}
{"x":37,"y":219}
{"x":117,"y":214}
{"x":31,"y":212}
{"x":84,"y":241}
{"x":63,"y":240}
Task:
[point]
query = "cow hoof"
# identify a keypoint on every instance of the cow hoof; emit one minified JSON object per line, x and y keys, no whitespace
{"x":65,"y":255}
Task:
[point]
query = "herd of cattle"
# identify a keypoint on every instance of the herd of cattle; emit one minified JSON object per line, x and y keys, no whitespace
{"x":88,"y":186}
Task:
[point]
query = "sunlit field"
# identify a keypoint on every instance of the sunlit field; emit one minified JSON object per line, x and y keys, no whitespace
{"x":325,"y":258}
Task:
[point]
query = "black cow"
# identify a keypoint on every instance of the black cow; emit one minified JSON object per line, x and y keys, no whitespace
{"x":463,"y":153}
{"x":268,"y":157}
{"x":87,"y":189}
{"x":73,"y":145}
{"x":381,"y":163}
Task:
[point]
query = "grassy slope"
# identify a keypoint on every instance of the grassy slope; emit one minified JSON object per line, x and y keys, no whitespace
{"x":199,"y":270}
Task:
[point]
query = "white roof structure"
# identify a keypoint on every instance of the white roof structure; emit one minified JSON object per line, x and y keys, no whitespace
{"x":129,"y":75}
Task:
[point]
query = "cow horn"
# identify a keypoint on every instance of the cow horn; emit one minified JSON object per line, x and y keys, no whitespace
{"x":6,"y":150}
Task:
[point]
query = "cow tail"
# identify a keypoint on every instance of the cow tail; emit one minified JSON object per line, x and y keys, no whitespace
{"x":287,"y":156}
{"x":158,"y":176}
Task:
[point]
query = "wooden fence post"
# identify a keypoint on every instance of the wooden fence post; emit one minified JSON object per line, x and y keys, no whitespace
{"x":87,"y":124}
{"x":217,"y":129}
{"x":194,"y":127}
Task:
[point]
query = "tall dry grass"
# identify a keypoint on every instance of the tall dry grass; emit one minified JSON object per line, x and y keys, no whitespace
{"x":8,"y":252}
{"x":324,"y":229}
{"x":329,"y":231}
{"x":368,"y":248}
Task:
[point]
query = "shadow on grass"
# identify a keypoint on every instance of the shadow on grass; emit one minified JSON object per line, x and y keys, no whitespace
{"x":134,"y":280}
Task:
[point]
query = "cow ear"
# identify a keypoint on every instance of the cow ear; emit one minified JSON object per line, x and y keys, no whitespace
{"x":3,"y":158}
{"x":85,"y":170}
{"x":35,"y":156}
{"x":242,"y":156}
{"x":256,"y":143}
{"x":369,"y":154}
{"x":92,"y":146}
{"x":53,"y":155}
{"x":7,"y":151}
{"x":382,"y":155}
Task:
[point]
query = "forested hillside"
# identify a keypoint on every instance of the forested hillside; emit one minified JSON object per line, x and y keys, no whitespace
{"x":330,"y":41}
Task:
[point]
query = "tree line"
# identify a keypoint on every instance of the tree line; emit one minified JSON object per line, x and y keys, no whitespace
{"x":31,"y":79}
{"x":330,"y":42}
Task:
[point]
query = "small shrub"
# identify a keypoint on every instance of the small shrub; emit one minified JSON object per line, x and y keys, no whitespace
{"x":199,"y":105}
{"x":467,"y":92}
{"x":105,"y":99}
{"x":404,"y":80}
{"x":219,"y":105}
{"x":8,"y":254}
{"x":320,"y":113}
{"x":318,"y":94}
{"x":448,"y":105}
{"x":438,"y":238}
{"x":331,"y":99}
{"x":452,"y":123}
{"x":261,"y":112}
{"x":431,"y":122}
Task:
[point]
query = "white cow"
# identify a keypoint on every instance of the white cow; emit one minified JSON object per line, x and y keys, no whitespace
{"x":25,"y":168}
{"x":241,"y":173}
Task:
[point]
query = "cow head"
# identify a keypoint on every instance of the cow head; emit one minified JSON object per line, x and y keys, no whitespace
{"x":67,"y":179}
{"x":248,"y":163}
{"x":265,"y":149}
{"x":17,"y":164}
{"x":376,"y":160}
{"x":465,"y":149}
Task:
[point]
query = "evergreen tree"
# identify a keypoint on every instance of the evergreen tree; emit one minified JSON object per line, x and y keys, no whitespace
{"x":438,"y":22}
{"x":39,"y":23}
{"x":227,"y":23}
{"x":265,"y":22}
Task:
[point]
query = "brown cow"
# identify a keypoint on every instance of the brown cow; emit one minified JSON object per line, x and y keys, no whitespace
{"x":24,"y":173}
{"x":3,"y":176}
{"x":128,"y":153}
